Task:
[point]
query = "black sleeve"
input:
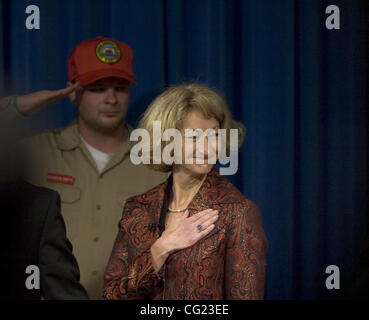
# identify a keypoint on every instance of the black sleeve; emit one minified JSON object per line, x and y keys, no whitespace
{"x":58,"y":267}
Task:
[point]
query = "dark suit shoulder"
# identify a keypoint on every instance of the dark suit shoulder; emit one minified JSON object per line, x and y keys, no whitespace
{"x":30,"y":192}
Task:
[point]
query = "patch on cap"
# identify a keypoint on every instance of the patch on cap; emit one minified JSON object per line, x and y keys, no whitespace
{"x":108,"y":51}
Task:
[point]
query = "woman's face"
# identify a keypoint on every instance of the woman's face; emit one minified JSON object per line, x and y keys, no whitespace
{"x":199,"y":127}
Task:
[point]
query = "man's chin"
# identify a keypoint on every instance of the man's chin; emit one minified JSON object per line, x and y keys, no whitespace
{"x":109,"y":125}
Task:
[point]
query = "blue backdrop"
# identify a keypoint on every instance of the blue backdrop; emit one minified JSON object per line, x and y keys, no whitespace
{"x":300,"y":89}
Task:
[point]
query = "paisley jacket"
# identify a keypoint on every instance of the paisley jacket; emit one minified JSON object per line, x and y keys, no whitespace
{"x":229,"y":263}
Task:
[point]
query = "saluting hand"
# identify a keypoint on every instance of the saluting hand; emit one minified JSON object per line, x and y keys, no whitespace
{"x":34,"y":102}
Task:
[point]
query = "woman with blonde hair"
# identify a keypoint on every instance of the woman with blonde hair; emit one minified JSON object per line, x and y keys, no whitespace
{"x":194,"y":236}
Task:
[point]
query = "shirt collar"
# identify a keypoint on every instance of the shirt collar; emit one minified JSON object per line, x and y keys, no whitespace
{"x":68,"y":138}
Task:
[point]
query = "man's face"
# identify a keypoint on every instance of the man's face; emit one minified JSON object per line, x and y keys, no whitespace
{"x":102,"y":105}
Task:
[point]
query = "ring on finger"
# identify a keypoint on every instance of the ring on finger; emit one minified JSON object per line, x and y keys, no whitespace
{"x":199,"y":227}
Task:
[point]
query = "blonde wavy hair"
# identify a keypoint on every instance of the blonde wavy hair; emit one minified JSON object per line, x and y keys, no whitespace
{"x":172,"y":106}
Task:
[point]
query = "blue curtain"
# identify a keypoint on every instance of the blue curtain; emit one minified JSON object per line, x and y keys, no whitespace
{"x":300,"y":89}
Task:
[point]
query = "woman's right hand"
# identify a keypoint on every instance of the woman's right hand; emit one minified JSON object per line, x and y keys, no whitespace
{"x":185,"y":234}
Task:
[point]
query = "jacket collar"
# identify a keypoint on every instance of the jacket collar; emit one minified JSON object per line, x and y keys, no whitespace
{"x":68,"y":138}
{"x":216,"y":189}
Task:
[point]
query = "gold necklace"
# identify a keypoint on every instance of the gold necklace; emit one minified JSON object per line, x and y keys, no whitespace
{"x":176,"y":210}
{"x":183,"y":210}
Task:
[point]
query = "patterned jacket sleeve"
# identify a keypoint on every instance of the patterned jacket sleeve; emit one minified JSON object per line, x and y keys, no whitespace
{"x":130,"y":273}
{"x":245,"y":254}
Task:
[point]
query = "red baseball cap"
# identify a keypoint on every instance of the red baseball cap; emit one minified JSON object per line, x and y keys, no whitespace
{"x":99,"y":58}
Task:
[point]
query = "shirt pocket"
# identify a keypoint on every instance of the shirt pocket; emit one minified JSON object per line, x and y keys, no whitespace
{"x":69,"y":194}
{"x":122,"y":198}
{"x":71,"y":211}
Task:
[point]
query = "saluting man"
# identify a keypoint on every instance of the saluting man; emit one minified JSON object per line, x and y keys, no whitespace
{"x":88,"y":161}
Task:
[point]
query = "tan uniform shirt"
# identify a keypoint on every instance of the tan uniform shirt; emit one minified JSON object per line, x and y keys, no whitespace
{"x":92,"y":202}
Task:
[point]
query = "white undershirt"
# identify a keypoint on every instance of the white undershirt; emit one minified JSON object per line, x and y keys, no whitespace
{"x":101,"y":158}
